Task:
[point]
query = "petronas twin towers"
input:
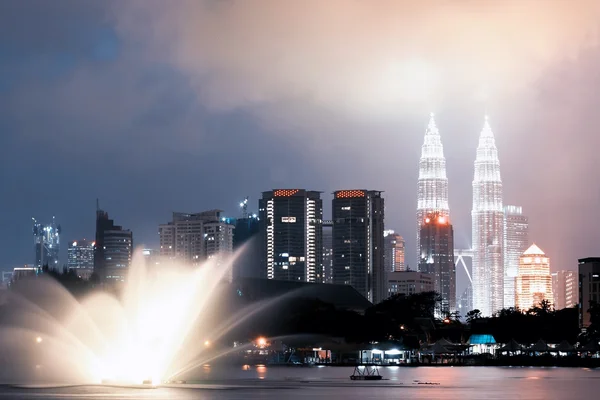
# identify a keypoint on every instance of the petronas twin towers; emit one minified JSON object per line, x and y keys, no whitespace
{"x":487,"y":212}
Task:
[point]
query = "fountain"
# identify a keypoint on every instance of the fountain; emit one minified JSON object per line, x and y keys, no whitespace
{"x":145,"y":335}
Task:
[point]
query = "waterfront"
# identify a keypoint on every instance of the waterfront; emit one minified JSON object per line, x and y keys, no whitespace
{"x":261,"y":382}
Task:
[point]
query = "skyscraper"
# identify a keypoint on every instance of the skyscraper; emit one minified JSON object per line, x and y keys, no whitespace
{"x":534,"y":282}
{"x":433,"y":183}
{"x":394,"y":252}
{"x":437,"y":259}
{"x":358,"y":242}
{"x":80,"y":257}
{"x":113,"y":249}
{"x":564,"y":289}
{"x":487,"y":227}
{"x":46,"y":240}
{"x":246,"y":236}
{"x":327,"y":255}
{"x":292,"y":234}
{"x":194,"y":237}
{"x":516,"y":241}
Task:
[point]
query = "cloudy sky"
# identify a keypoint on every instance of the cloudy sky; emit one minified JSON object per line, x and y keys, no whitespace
{"x":156,"y":106}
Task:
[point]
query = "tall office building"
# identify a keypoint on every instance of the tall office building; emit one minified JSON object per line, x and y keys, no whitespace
{"x":565,"y":289}
{"x":46,"y":240}
{"x":516,"y":241}
{"x":292,"y":235}
{"x":358,"y":246}
{"x":487,"y":227}
{"x":534,"y":281}
{"x":80,"y":257}
{"x":589,"y":287}
{"x":113,"y":249}
{"x":194,"y":237}
{"x":327,"y":255}
{"x":246,"y":239}
{"x":394,"y":251}
{"x":433,"y":183}
{"x":437,"y":259}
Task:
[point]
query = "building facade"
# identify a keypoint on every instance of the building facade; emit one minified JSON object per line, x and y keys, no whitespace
{"x":432,"y":194}
{"x":46,"y":240}
{"x":327,"y":255}
{"x":409,"y":282}
{"x":358,"y":245}
{"x":113,"y":249}
{"x":589,"y":287}
{"x":534,"y":281}
{"x":487,"y":218}
{"x":565,"y":289}
{"x":292,"y":235}
{"x":394,"y":252}
{"x":192,"y":238}
{"x":516,"y":241}
{"x":80,"y":257}
{"x":246,"y":239}
{"x":437,"y":258}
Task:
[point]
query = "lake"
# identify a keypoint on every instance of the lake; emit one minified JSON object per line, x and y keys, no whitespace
{"x":291,"y":383}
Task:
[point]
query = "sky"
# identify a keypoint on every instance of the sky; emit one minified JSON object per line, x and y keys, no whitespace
{"x":162,"y":106}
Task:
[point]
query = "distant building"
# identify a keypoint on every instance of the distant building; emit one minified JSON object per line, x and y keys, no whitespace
{"x":589,"y":287}
{"x":113,"y":250}
{"x":80,"y":257}
{"x":565,"y":290}
{"x":246,"y":239}
{"x":465,"y":302}
{"x":516,"y":241}
{"x":437,"y":258}
{"x":292,"y":235}
{"x":534,"y":282}
{"x":409,"y":282}
{"x":151,"y":257}
{"x":358,"y":245}
{"x":46,"y":240}
{"x":327,"y":255}
{"x":394,"y":252}
{"x":193,"y":238}
{"x":26,"y":271}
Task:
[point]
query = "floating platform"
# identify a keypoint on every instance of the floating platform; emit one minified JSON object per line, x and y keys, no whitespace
{"x":365,"y":373}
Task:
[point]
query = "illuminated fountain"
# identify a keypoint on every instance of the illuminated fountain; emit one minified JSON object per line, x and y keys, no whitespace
{"x":151,"y":331}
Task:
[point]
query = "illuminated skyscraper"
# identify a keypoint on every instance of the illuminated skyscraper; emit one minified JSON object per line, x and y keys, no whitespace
{"x":487,"y":227}
{"x":292,"y":234}
{"x":394,"y":252}
{"x":437,"y":259}
{"x":46,"y":240}
{"x":358,"y":242}
{"x":534,"y":282}
{"x":564,"y":289}
{"x":433,"y":183}
{"x":80,"y":257}
{"x":516,"y":241}
{"x":113,"y":249}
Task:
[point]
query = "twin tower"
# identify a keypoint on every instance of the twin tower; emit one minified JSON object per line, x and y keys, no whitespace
{"x":487,"y":211}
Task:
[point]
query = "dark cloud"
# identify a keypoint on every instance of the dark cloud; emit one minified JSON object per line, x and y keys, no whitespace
{"x":158,"y":106}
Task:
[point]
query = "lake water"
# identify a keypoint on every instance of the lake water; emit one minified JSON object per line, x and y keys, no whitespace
{"x":291,"y":383}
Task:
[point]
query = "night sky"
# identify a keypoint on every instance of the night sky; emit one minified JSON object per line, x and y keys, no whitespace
{"x":161,"y":106}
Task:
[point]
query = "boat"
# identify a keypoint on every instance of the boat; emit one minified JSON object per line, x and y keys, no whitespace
{"x":366,"y":373}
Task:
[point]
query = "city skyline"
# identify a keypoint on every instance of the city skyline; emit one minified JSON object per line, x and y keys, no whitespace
{"x":147,"y":129}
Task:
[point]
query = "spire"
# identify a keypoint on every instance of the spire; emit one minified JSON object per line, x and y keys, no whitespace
{"x":486,"y":132}
{"x":431,"y":126}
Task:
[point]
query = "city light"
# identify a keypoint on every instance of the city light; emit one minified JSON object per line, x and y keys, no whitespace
{"x":207,"y":343}
{"x":38,"y":339}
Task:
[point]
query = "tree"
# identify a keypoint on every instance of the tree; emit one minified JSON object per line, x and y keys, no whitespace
{"x":473,"y":315}
{"x":544,"y":309}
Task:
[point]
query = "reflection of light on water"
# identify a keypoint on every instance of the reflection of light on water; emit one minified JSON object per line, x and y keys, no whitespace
{"x":262,"y":371}
{"x":533,"y":377}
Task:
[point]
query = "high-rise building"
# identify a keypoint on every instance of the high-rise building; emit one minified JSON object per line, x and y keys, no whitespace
{"x":327,"y":255}
{"x":516,"y":241}
{"x":46,"y":240}
{"x":113,"y":249}
{"x":433,"y":183}
{"x":589,"y":287}
{"x":437,"y":258}
{"x":358,"y":246}
{"x":194,"y":237}
{"x":246,"y":239}
{"x":534,"y":281}
{"x":80,"y":257}
{"x":394,"y":251}
{"x":487,"y":227}
{"x":292,"y":234}
{"x":465,"y":302}
{"x":565,"y":290}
